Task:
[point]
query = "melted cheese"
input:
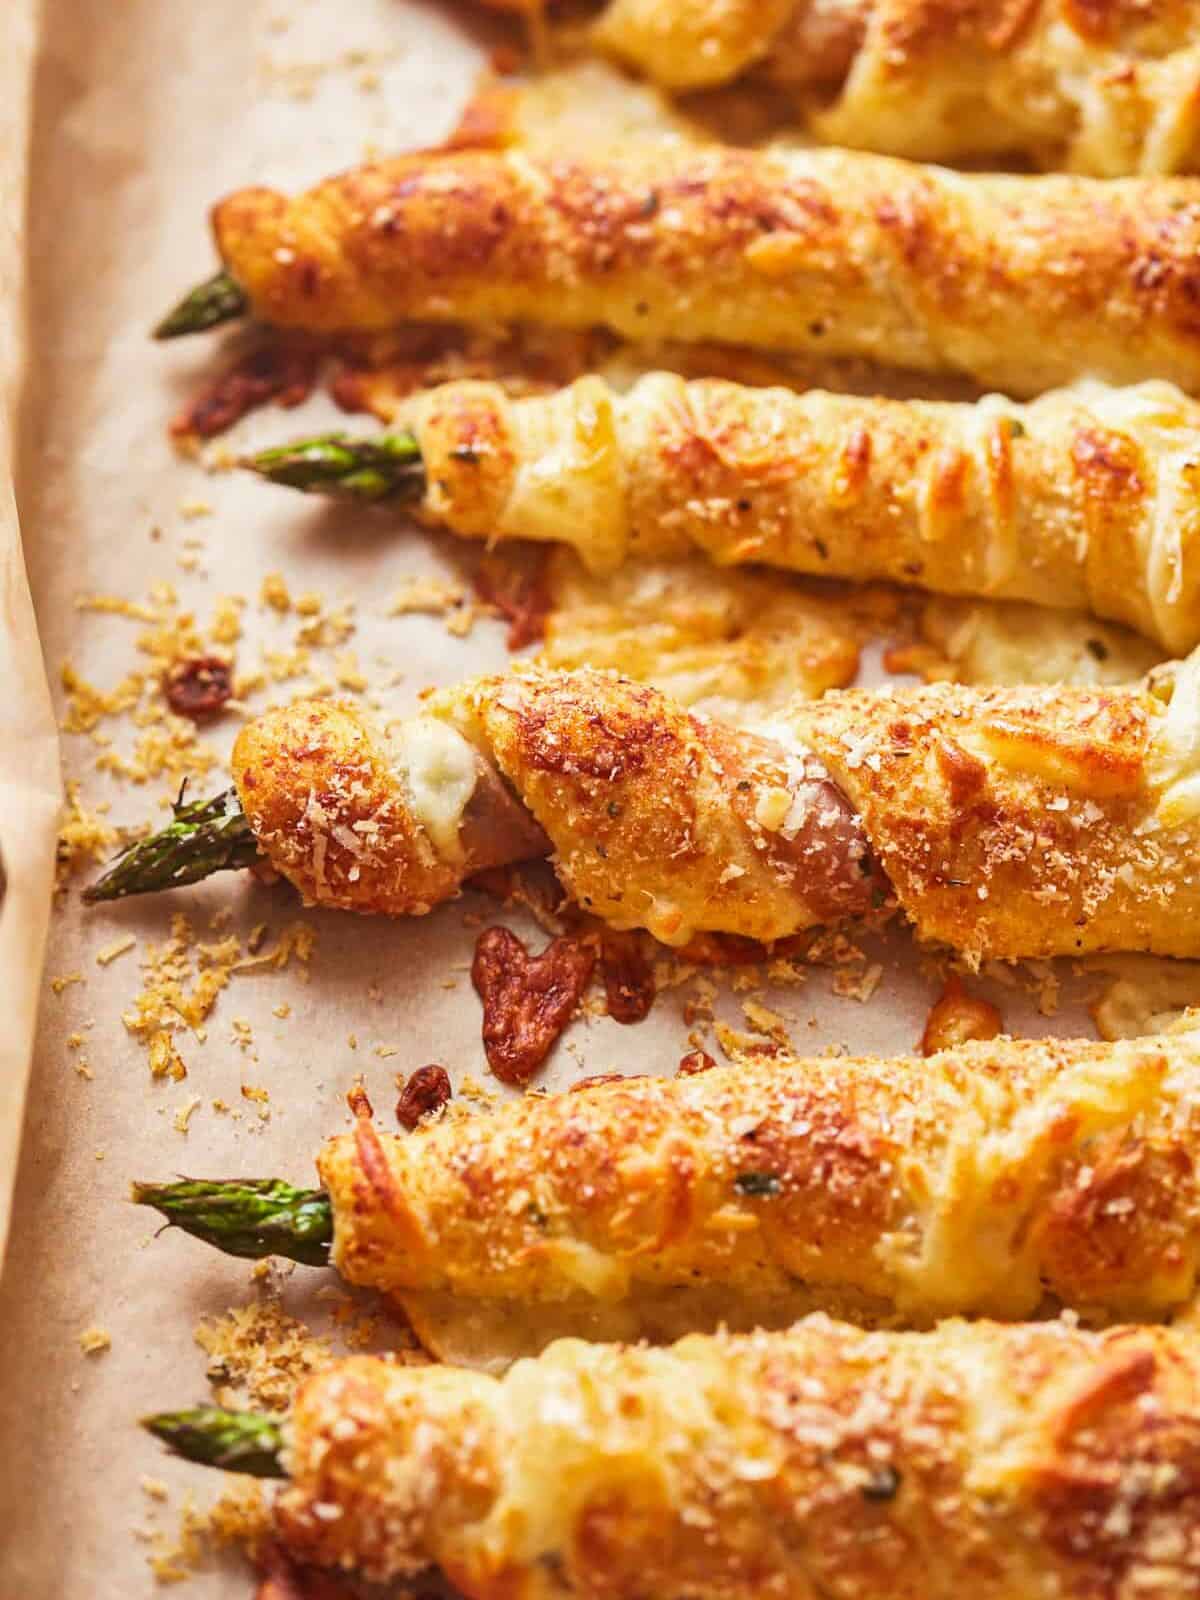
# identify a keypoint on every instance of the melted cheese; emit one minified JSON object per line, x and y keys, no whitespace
{"x":1011,"y":642}
{"x":1145,"y":995}
{"x":969,"y":1237}
{"x":732,"y":642}
{"x":438,"y":769}
{"x":570,"y":476}
{"x":1175,"y":757}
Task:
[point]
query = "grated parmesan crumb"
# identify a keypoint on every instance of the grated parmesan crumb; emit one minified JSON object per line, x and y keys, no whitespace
{"x":118,"y":947}
{"x":274,"y":593}
{"x":859,"y":984}
{"x":184,"y":1115}
{"x":431,"y":597}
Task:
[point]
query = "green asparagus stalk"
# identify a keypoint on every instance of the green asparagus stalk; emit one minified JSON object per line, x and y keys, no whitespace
{"x":249,"y":1217}
{"x":219,"y":299}
{"x":206,"y":836}
{"x":385,"y":467}
{"x":237,"y":1441}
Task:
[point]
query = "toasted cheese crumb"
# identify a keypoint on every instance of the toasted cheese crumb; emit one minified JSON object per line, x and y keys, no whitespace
{"x":83,"y":836}
{"x":239,"y":1517}
{"x":118,"y":947}
{"x":432,"y":597}
{"x":94,"y":1341}
{"x":274,"y":593}
{"x":183,"y":980}
{"x":257,"y":1352}
{"x":184,"y":1115}
{"x":348,"y":674}
{"x":857,"y":985}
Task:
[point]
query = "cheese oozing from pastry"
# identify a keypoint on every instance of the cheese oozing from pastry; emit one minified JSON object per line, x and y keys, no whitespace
{"x":439,"y":770}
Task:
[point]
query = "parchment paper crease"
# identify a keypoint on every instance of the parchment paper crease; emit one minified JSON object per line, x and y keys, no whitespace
{"x":29,"y":781}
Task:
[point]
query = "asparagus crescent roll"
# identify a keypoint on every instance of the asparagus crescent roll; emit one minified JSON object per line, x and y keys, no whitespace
{"x":872,"y":1181}
{"x":1109,"y":88}
{"x":1000,"y":1462}
{"x":1019,"y":282}
{"x":1088,"y":499}
{"x":1006,"y":822}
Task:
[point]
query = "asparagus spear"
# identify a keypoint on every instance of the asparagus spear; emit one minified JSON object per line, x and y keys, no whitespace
{"x":385,"y":467}
{"x":206,"y":836}
{"x":250,"y":1217}
{"x":237,"y":1441}
{"x":219,"y":299}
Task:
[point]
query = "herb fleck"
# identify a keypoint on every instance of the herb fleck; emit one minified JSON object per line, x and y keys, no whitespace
{"x":757,"y":1183}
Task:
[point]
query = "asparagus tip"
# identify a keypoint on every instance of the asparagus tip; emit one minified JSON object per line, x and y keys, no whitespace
{"x":236,"y":1441}
{"x":203,"y":837}
{"x":247,"y":1217}
{"x":218,"y":299}
{"x":385,"y":467}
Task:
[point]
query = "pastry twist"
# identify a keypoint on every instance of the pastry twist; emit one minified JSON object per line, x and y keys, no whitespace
{"x":1086,"y":499}
{"x":1108,"y":89}
{"x":1001,"y":1462}
{"x":871,"y":1182}
{"x":1020,"y":283}
{"x":1006,"y":822}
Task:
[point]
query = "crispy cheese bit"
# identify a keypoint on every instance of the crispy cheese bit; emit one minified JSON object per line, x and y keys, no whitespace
{"x":867,"y":1181}
{"x":1018,"y":283}
{"x":995,"y":1451}
{"x":1069,"y":88}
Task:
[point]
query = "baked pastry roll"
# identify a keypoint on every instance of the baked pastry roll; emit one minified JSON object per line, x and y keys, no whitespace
{"x":1109,"y":89}
{"x":1007,"y":822}
{"x":868,"y":1182}
{"x":998,"y":1461}
{"x":1020,"y":283}
{"x":1086,"y":499}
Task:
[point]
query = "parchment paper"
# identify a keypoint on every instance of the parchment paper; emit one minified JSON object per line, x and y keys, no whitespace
{"x":145,"y":111}
{"x":29,"y":783}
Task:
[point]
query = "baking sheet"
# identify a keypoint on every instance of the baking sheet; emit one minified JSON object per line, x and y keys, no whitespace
{"x":143,"y":115}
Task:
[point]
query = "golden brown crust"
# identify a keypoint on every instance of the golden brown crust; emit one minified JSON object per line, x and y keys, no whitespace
{"x":1007,"y":822}
{"x":1107,"y":87}
{"x":664,"y":820}
{"x":1016,"y":822}
{"x":1021,"y":283}
{"x":869,"y":1181}
{"x":1087,"y":499}
{"x":978,"y":1459}
{"x":331,"y":815}
{"x":696,"y":44}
